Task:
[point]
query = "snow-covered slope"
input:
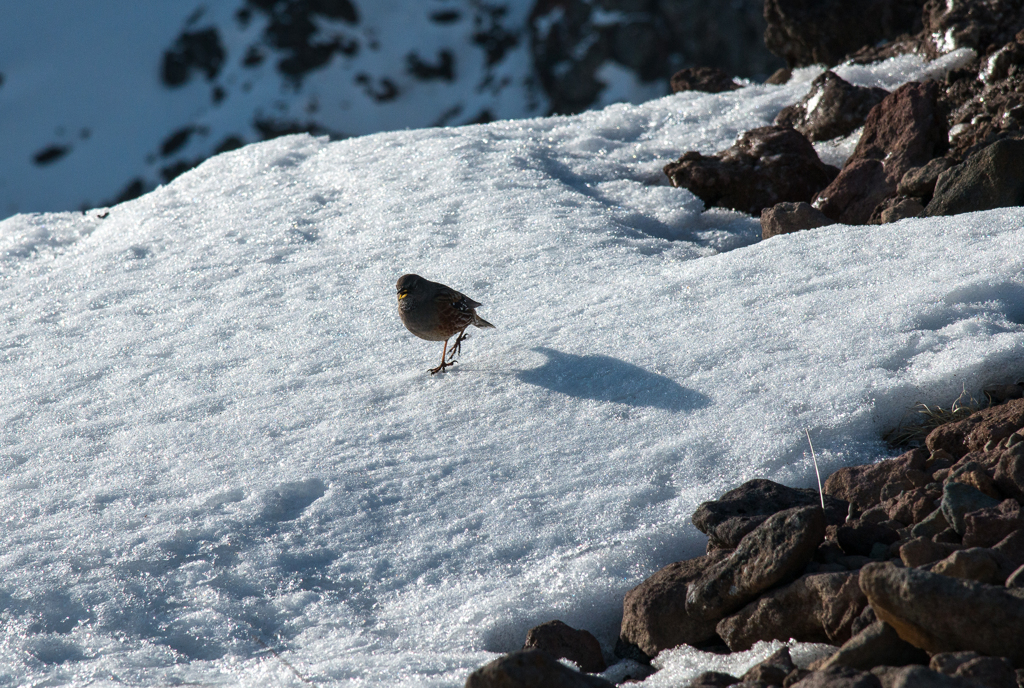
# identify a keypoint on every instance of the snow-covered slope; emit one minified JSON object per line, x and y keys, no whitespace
{"x":217,"y":438}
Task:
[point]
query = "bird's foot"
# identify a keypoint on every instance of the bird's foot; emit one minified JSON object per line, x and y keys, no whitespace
{"x":457,"y":346}
{"x":440,"y":368}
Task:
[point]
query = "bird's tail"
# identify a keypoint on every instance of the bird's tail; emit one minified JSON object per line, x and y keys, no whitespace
{"x":480,"y":322}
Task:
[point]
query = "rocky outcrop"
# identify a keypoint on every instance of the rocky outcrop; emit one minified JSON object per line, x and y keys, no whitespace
{"x":706,"y":79}
{"x":832,"y":108}
{"x":531,"y":669}
{"x":786,"y":218}
{"x":562,"y":641}
{"x":764,"y":167}
{"x":991,"y":178}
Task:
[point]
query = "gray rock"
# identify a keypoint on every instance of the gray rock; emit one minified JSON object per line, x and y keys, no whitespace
{"x":991,"y":178}
{"x":920,"y":181}
{"x":772,"y":553}
{"x":838,"y":677}
{"x":991,"y":672}
{"x":531,"y":669}
{"x":917,"y":676}
{"x":772,"y":671}
{"x":941,"y":614}
{"x":959,"y":499}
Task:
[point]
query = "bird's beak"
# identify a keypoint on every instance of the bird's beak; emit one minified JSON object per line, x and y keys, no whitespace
{"x":402,"y":294}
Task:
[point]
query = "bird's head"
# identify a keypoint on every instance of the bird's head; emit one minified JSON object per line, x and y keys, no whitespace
{"x":407,"y":284}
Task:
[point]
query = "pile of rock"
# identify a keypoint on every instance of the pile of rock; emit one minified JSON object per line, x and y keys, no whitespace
{"x":939,"y":147}
{"x":914,"y":570}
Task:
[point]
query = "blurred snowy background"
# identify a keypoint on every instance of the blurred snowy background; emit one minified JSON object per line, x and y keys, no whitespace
{"x":103,"y":100}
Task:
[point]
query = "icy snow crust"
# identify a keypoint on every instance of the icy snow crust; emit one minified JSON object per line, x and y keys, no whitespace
{"x":225,"y":463}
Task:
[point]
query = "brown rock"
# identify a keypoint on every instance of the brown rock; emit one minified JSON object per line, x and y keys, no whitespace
{"x":862,"y":485}
{"x":896,"y":208}
{"x":974,"y":474}
{"x":876,"y":645}
{"x":772,"y":553}
{"x":654,"y":614}
{"x":922,"y":551}
{"x":531,"y":669}
{"x":986,"y":527}
{"x":858,"y":537}
{"x":906,"y":130}
{"x":706,"y":79}
{"x":974,"y":432}
{"x":991,"y":672}
{"x":832,"y":108}
{"x":764,"y":167}
{"x":713,"y":679}
{"x":917,"y":676}
{"x":562,"y":641}
{"x":1012,"y":547}
{"x":1009,"y":471}
{"x":786,"y":218}
{"x":942,"y":614}
{"x":772,"y":671}
{"x":920,"y":181}
{"x":913,"y":506}
{"x":838,"y":677}
{"x":976,"y":564}
{"x":818,"y":608}
{"x":729,"y":518}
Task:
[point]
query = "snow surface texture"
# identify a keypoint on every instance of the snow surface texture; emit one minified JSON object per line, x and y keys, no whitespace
{"x":225,"y":463}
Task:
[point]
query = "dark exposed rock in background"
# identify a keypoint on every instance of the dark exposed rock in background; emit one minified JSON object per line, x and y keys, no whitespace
{"x":786,"y":218}
{"x":806,"y":32}
{"x":706,"y":79}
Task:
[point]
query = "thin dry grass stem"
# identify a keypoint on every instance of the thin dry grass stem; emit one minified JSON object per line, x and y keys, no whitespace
{"x":914,"y":434}
{"x":821,"y":492}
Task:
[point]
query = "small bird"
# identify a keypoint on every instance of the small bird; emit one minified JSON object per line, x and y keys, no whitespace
{"x":434,"y":312}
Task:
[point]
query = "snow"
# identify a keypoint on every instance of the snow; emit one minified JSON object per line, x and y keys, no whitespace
{"x":225,"y":463}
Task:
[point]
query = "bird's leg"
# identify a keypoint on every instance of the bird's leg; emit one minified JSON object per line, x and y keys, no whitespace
{"x":440,"y":368}
{"x":457,"y":346}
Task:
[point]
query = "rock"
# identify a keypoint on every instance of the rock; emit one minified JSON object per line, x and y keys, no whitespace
{"x":1012,"y":547}
{"x":832,"y":108}
{"x":991,"y":178}
{"x":878,"y":644}
{"x":1000,"y":393}
{"x":922,"y":551}
{"x":706,"y":79}
{"x":975,"y":563}
{"x":531,"y":669}
{"x":916,"y":676}
{"x":713,"y":679}
{"x":729,"y":518}
{"x":931,"y":526}
{"x":914,"y":506}
{"x":974,"y":432}
{"x":991,"y":672}
{"x":654,"y":614}
{"x":983,"y":26}
{"x":1009,"y":471}
{"x":920,"y":181}
{"x":1016,"y":579}
{"x":838,"y":677}
{"x":786,"y":218}
{"x":769,"y":555}
{"x":772,"y":671}
{"x":764,"y":167}
{"x":862,"y":485}
{"x":959,"y":499}
{"x":562,"y":641}
{"x":780,"y":76}
{"x":986,"y":527}
{"x":906,"y":130}
{"x":818,"y":608}
{"x":858,"y":537}
{"x":974,"y":474}
{"x":941,"y":614}
{"x":896,"y":208}
{"x":805,"y":33}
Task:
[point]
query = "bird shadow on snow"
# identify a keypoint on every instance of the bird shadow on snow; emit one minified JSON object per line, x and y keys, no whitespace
{"x":604,"y":378}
